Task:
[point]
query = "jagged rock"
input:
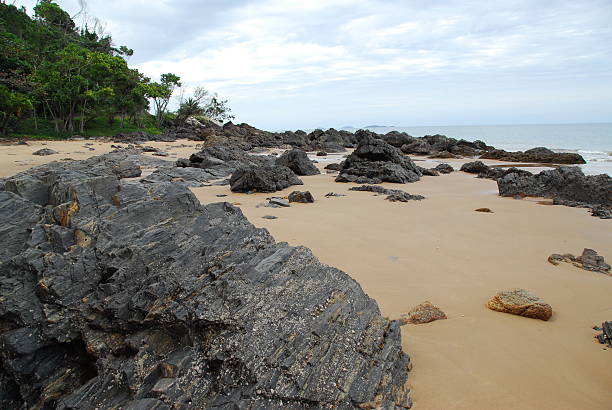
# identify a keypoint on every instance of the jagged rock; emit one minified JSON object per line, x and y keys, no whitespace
{"x":520,"y":302}
{"x":589,"y":260}
{"x":374,"y":161}
{"x":428,"y":171}
{"x":397,"y":139}
{"x":297,"y":161}
{"x":401,"y":196}
{"x":488,"y":210}
{"x":393,"y":195}
{"x":44,"y":152}
{"x":444,"y":168}
{"x":443,"y":154}
{"x":263,"y":179}
{"x":301,"y":196}
{"x":418,"y":146}
{"x":606,"y":334}
{"x":475,"y":167}
{"x":335,"y":166}
{"x":119,"y":294}
{"x":538,"y":155}
{"x":566,"y":185}
{"x":426,"y":312}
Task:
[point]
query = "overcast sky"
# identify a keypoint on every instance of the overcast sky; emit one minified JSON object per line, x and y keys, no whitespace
{"x":321,"y":63}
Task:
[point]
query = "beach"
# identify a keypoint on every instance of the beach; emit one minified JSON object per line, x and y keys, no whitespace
{"x":439,"y":249}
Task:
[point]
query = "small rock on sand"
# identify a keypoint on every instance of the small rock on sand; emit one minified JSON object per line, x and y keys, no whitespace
{"x":520,"y":302}
{"x":269,"y":217}
{"x":424,"y":313}
{"x":44,"y":151}
{"x":589,"y":260}
{"x":483,"y":210}
{"x":301,"y":196}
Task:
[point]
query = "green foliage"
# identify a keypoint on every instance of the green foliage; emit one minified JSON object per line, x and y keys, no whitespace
{"x":71,"y":76}
{"x":217,"y":109}
{"x":12,"y":107}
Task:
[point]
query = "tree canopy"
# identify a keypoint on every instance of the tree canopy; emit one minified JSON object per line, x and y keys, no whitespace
{"x":52,"y":69}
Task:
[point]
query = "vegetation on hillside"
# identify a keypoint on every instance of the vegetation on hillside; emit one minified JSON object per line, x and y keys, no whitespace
{"x":60,"y":79}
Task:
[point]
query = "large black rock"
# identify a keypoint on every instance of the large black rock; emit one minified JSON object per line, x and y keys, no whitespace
{"x":263,"y":179}
{"x":297,"y":161}
{"x":566,"y":185}
{"x":122,"y":294}
{"x":539,"y":154}
{"x":374,"y":161}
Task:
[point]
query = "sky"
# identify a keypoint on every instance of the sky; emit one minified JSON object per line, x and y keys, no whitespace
{"x":331,"y":63}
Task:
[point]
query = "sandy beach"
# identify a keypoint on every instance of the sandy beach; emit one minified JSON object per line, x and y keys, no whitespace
{"x":441,"y":250}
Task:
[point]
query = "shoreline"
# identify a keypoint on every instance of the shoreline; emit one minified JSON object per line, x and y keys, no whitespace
{"x":439,"y":249}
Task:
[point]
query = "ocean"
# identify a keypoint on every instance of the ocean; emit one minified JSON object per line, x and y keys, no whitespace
{"x":592,"y":141}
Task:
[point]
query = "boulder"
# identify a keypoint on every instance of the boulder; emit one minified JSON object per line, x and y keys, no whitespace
{"x":301,"y":196}
{"x":565,"y":185}
{"x":45,"y":152}
{"x":520,"y":302}
{"x":374,"y":161}
{"x":263,"y":179}
{"x":297,"y":161}
{"x":424,"y":313}
{"x":444,"y":168}
{"x":120,"y":294}
{"x":589,"y":260}
{"x":537,"y":155}
{"x":475,"y":167}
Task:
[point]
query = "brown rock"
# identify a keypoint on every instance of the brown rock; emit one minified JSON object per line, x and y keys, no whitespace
{"x":520,"y":302}
{"x":483,"y":210}
{"x":424,"y":313}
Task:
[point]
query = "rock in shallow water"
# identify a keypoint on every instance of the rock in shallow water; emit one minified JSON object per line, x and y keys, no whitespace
{"x":119,"y":294}
{"x":522,"y":303}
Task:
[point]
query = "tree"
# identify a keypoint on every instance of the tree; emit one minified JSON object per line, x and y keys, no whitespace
{"x":161,"y":92}
{"x":217,"y":109}
{"x":12,"y":107}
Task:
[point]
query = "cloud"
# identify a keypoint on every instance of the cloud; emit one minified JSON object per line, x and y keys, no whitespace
{"x":354,"y":61}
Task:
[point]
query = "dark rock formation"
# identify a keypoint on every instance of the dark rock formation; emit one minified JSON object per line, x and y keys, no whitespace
{"x":566,"y":185}
{"x":393,"y":195}
{"x":335,"y":166}
{"x":441,"y":146}
{"x":221,"y":160}
{"x":304,"y":197}
{"x":263,"y":179}
{"x":321,"y":154}
{"x":121,"y":294}
{"x":606,"y":334}
{"x":44,"y":152}
{"x":297,"y":161}
{"x":589,"y":260}
{"x":428,"y":172}
{"x":476,"y":167}
{"x":374,"y":161}
{"x":538,"y":155}
{"x":444,"y":168}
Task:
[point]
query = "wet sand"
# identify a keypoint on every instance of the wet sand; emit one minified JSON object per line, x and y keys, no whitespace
{"x":439,"y":249}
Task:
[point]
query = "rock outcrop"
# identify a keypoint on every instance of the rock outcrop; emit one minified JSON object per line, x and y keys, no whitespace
{"x":424,"y":313}
{"x":123,"y":294}
{"x":538,"y":155}
{"x":44,"y":152}
{"x":304,"y":197}
{"x":522,"y":303}
{"x":589,"y":260}
{"x":444,"y":168}
{"x":297,"y":161}
{"x":374,"y":161}
{"x":263,"y":179}
{"x":393,"y":195}
{"x":475,"y":167}
{"x":565,"y":185}
{"x":221,"y":160}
